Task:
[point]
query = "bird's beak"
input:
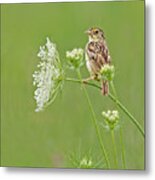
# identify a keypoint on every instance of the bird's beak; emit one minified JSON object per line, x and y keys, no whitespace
{"x":88,"y":32}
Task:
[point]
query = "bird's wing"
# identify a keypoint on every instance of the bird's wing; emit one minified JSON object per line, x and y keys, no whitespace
{"x":103,"y":54}
{"x":91,"y":51}
{"x":98,"y":52}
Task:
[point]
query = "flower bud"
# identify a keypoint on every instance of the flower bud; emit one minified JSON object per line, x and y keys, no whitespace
{"x":111,"y":118}
{"x":85,"y":163}
{"x":107,"y":72}
{"x":75,"y":58}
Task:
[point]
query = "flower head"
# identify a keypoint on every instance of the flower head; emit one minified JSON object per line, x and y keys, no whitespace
{"x":75,"y":58}
{"x":48,"y":77}
{"x":111,"y":118}
{"x":86,"y":163}
{"x":107,"y":72}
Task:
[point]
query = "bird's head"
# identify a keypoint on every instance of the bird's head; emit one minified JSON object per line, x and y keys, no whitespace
{"x":95,"y":34}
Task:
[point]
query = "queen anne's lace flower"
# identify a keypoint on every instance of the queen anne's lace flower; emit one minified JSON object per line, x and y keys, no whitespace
{"x":48,"y":77}
{"x":75,"y":58}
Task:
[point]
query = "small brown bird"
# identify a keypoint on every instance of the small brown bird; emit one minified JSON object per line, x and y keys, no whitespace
{"x":97,"y":55}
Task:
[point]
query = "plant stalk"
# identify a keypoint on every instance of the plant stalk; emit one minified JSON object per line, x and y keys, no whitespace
{"x":95,"y":123}
{"x":123,"y":149}
{"x":120,"y":105}
{"x":121,"y":130}
{"x":114,"y":146}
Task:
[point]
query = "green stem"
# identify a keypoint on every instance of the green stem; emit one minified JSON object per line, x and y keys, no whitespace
{"x":95,"y":123}
{"x":123,"y":149}
{"x":121,"y":131}
{"x":124,"y":109}
{"x":120,"y":105}
{"x":113,"y":89}
{"x":114,"y":146}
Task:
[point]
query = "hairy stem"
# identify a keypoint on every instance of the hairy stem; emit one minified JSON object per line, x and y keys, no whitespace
{"x":95,"y":123}
{"x":120,"y":105}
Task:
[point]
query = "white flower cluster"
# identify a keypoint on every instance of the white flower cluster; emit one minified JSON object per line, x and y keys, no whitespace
{"x":75,"y":58}
{"x":111,"y":118}
{"x":47,"y":77}
{"x":85,"y":163}
{"x":107,"y":72}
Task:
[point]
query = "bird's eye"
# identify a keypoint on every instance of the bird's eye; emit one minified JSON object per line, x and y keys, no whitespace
{"x":96,"y":32}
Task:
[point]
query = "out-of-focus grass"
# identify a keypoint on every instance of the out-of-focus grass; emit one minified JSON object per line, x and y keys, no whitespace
{"x":43,"y":139}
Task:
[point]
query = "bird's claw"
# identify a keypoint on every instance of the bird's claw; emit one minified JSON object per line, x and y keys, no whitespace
{"x":85,"y":81}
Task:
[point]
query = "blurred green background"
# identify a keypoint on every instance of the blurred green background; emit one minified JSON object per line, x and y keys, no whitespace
{"x":45,"y":139}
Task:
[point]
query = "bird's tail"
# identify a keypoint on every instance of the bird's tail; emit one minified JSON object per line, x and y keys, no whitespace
{"x":105,"y":88}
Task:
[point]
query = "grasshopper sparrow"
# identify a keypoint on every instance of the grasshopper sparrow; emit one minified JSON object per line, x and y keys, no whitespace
{"x":97,"y":55}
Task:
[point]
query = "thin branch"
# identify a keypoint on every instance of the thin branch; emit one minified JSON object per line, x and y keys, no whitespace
{"x":121,"y":106}
{"x":95,"y":124}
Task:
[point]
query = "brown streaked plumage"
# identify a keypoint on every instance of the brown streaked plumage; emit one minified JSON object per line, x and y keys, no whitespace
{"x":97,"y":55}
